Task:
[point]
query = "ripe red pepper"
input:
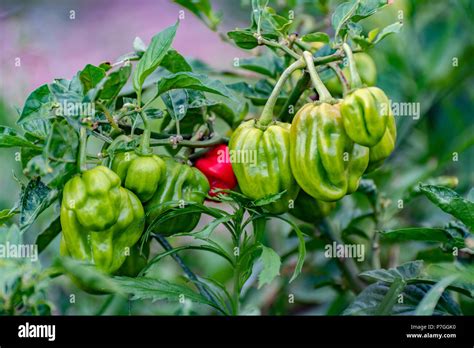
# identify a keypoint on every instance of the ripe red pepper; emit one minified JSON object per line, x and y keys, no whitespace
{"x":216,"y":166}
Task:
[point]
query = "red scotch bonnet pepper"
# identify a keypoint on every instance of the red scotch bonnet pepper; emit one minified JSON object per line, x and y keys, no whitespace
{"x":216,"y":166}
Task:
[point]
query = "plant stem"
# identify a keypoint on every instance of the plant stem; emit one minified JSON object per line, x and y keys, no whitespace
{"x":271,"y":43}
{"x":144,"y":147}
{"x":355,"y":78}
{"x":267,"y":113}
{"x":167,"y":246}
{"x":296,"y":93}
{"x":340,"y":75}
{"x":193,"y":144}
{"x":323,"y":92}
{"x":109,"y":117}
{"x":82,"y":160}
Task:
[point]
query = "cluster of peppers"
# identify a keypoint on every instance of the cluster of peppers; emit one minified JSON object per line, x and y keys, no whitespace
{"x":104,"y":211}
{"x":312,"y":162}
{"x":320,"y":157}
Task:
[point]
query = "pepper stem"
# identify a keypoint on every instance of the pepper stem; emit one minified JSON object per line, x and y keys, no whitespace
{"x":342,"y":79}
{"x":81,"y":159}
{"x":323,"y":92}
{"x":356,"y":82}
{"x":144,"y":148}
{"x":267,"y":113}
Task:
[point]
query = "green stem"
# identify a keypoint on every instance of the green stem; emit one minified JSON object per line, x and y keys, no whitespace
{"x":340,"y":75}
{"x":194,"y":144}
{"x":275,"y":44}
{"x":267,"y":113}
{"x":109,"y":117}
{"x":144,"y":147}
{"x":301,"y":86}
{"x":355,"y":78}
{"x":323,"y":92}
{"x":82,"y":160}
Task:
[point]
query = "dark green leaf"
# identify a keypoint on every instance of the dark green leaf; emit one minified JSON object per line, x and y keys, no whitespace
{"x":48,"y":234}
{"x":421,"y":234}
{"x":176,"y":102}
{"x":110,"y":86}
{"x":90,"y":76}
{"x":194,"y":81}
{"x":151,"y":59}
{"x":35,"y":198}
{"x":175,"y":62}
{"x":369,"y":300}
{"x":450,"y":202}
{"x":155,"y":289}
{"x":38,"y":105}
{"x":10,"y":138}
{"x":428,"y":305}
{"x":203,"y":10}
{"x":245,"y":39}
{"x":316,"y":37}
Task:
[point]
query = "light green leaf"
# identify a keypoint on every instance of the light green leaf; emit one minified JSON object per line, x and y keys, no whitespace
{"x":271,"y":266}
{"x":151,"y":59}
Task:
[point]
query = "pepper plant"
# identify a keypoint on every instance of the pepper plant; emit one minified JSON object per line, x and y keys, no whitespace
{"x":152,"y":157}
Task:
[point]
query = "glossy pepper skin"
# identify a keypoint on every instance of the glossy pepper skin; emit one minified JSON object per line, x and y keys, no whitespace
{"x":365,"y":112}
{"x":326,"y":163}
{"x":99,"y":219}
{"x":384,"y":147}
{"x":271,"y":172}
{"x":309,"y":209}
{"x":216,"y":166}
{"x":139,"y":174}
{"x":180,"y":183}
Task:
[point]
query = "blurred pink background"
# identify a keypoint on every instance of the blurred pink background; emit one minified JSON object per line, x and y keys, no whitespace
{"x":51,"y":45}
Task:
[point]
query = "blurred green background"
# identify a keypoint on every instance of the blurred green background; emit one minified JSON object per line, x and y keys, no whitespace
{"x":429,"y":62}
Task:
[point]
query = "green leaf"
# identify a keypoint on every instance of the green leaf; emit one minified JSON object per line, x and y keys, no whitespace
{"x":391,"y":29}
{"x":421,"y":234}
{"x":90,"y":76}
{"x":271,"y":266}
{"x":386,"y":305}
{"x":428,"y":305}
{"x":35,"y":198}
{"x":203,"y":10}
{"x":192,"y":81}
{"x":151,"y":59}
{"x":316,"y":37}
{"x":107,"y":90}
{"x":10,"y":138}
{"x":418,"y":272}
{"x":45,"y":237}
{"x":175,"y":62}
{"x":176,"y":102}
{"x":67,"y":91}
{"x":38,"y":105}
{"x":6,"y":214}
{"x":368,"y":302}
{"x":143,"y":288}
{"x":342,"y":14}
{"x":450,"y":202}
{"x":245,"y":39}
{"x":87,"y":275}
{"x":266,"y":65}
